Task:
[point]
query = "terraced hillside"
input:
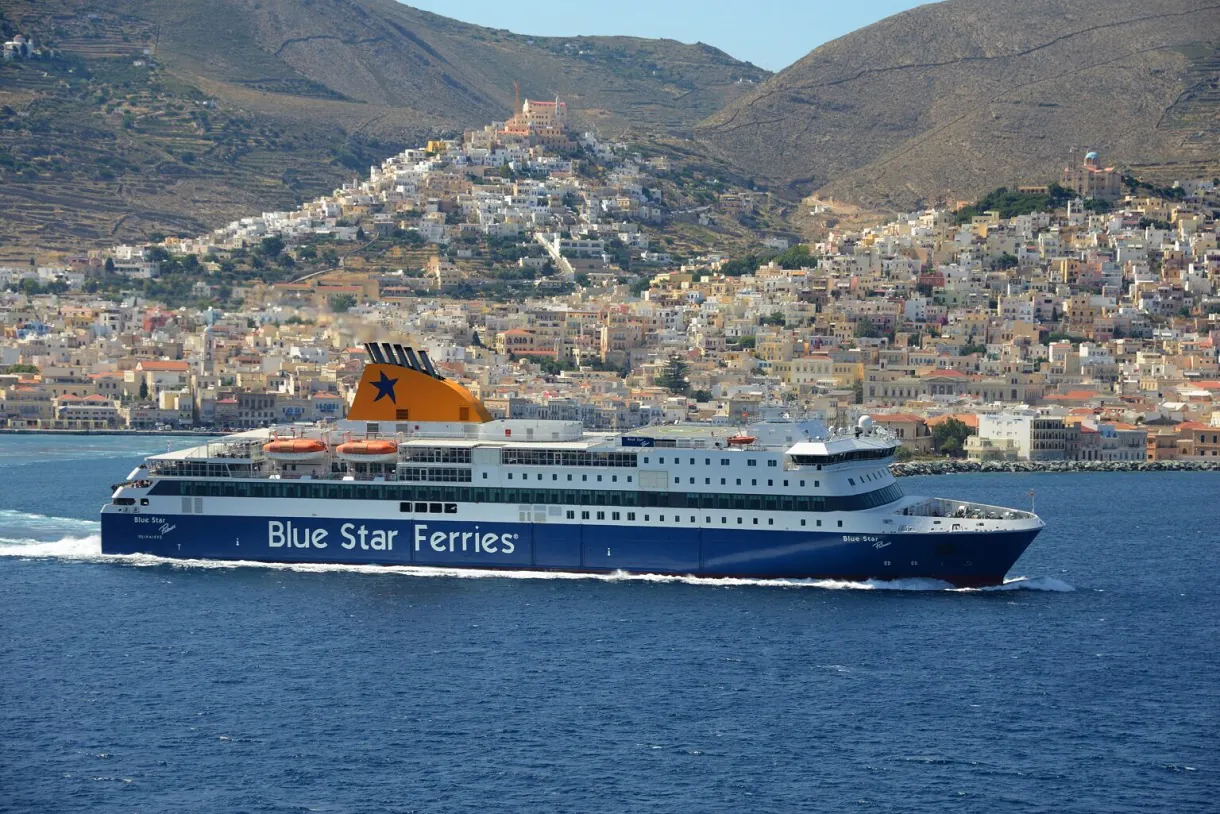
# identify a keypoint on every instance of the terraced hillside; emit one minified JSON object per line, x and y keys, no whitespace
{"x":169,"y":116}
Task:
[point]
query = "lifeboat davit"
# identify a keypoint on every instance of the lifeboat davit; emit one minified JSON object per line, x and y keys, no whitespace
{"x":742,"y":440}
{"x":371,"y":451}
{"x":295,"y":450}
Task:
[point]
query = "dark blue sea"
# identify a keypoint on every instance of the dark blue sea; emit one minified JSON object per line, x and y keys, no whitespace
{"x":1090,"y":683}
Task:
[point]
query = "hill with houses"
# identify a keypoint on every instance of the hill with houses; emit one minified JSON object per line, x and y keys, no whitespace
{"x":121,"y":120}
{"x":132,"y":120}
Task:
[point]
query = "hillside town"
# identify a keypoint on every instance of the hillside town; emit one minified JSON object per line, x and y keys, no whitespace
{"x":1085,"y":329}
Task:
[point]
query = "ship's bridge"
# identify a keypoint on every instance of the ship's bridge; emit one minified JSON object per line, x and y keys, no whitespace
{"x":817,"y":454}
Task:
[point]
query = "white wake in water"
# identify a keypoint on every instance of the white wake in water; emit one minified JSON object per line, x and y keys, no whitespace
{"x":69,"y":548}
{"x":26,"y":532}
{"x":1028,"y":584}
{"x":16,"y":519}
{"x":89,"y":549}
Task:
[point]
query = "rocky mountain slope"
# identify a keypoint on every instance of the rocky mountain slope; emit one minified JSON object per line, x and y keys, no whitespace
{"x":162,"y":115}
{"x":952,"y":99}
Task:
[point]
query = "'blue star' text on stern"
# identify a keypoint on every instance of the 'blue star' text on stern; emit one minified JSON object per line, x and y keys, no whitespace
{"x":385,"y":387}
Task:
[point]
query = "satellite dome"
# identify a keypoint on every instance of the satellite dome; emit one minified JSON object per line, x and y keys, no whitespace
{"x":865,"y":424}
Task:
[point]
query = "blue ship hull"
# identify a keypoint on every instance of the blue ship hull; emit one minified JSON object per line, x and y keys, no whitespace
{"x":963,"y":559}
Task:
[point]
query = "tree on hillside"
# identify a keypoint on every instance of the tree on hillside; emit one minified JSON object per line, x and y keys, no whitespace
{"x":674,"y":377}
{"x":866,"y":329}
{"x":619,"y":253}
{"x":342,"y":303}
{"x":272,"y":246}
{"x":551,"y":367}
{"x":949,"y":437}
{"x":775,"y":318}
{"x":1098,"y":206}
{"x":796,"y":257}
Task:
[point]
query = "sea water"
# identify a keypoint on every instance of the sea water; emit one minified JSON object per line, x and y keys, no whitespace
{"x":1089,"y":682}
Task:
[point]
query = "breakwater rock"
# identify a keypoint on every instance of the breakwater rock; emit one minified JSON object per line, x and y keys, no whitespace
{"x":950,"y":467}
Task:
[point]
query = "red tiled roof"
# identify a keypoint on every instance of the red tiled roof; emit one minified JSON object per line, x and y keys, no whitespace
{"x":969,"y":419}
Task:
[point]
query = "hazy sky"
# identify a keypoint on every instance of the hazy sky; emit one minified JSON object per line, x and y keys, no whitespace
{"x":770,"y":33}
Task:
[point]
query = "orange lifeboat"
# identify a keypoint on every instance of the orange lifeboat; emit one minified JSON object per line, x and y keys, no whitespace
{"x":295,"y":450}
{"x":371,"y":451}
{"x":741,"y":440}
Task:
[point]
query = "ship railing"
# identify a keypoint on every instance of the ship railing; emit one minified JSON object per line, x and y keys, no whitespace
{"x":688,"y":443}
{"x":363,"y":477}
{"x":229,"y":450}
{"x":468,"y":431}
{"x":337,"y":477}
{"x":838,"y":433}
{"x":962,"y":510}
{"x":204,"y":468}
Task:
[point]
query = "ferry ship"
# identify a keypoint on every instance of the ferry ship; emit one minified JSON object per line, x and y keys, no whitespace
{"x":421,"y":474}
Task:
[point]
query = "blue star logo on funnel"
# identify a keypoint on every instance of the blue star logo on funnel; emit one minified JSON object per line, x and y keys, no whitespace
{"x":385,"y":387}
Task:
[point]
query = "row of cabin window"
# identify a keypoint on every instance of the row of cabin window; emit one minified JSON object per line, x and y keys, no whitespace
{"x":679,"y":500}
{"x":724,"y":521}
{"x":452,"y":508}
{"x":436,"y":455}
{"x":867,"y":477}
{"x":677,"y":459}
{"x":565,"y":457}
{"x":525,"y":476}
{"x":435,"y":474}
